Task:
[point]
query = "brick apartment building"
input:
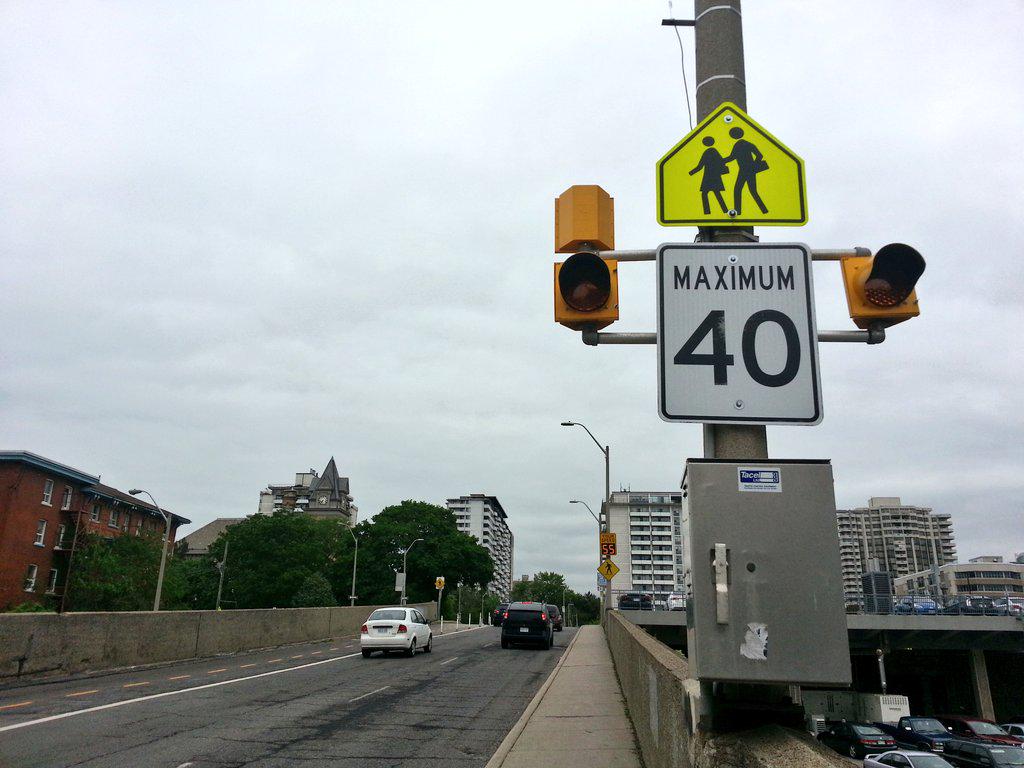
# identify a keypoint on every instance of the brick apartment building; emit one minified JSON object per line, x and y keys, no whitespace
{"x":42,"y":504}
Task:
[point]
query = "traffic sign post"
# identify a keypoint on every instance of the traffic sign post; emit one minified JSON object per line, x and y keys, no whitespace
{"x":737,"y":340}
{"x":730,"y":170}
{"x":439,"y":585}
{"x":608,"y":569}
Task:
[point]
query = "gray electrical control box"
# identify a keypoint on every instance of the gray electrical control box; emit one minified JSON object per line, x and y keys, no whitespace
{"x":767,"y":590}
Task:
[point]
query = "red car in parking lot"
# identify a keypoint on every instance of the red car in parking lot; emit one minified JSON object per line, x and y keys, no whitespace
{"x":977,"y":728}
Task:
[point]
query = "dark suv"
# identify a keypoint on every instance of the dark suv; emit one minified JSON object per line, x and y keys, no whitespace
{"x":497,"y":613}
{"x":527,"y":623}
{"x":556,"y":617}
{"x":636,"y":601}
{"x":976,"y":753}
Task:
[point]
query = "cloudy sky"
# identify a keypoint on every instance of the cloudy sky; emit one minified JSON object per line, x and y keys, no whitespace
{"x":240,"y":238}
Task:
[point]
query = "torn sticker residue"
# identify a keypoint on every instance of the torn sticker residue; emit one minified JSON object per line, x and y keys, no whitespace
{"x":755,"y":642}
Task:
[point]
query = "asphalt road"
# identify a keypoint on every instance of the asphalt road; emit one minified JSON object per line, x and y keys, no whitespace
{"x":317,"y":704}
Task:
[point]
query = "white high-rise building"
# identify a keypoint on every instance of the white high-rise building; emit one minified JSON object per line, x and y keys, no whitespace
{"x":649,"y":539}
{"x":484,"y":518}
{"x":893,"y":537}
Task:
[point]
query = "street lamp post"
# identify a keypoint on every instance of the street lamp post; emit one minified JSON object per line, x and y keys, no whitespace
{"x":405,"y":573}
{"x":355,"y":559}
{"x":600,"y":529}
{"x":163,"y":548}
{"x":606,"y":506}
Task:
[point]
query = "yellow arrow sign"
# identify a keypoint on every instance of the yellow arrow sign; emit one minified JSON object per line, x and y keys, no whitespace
{"x":730,"y":170}
{"x":608,"y":569}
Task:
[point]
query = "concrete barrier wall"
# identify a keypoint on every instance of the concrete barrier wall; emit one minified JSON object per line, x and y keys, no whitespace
{"x":47,"y":643}
{"x":660,"y":696}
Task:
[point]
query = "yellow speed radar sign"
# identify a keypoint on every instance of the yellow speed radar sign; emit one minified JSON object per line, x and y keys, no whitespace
{"x":608,"y":569}
{"x":730,"y":170}
{"x":439,"y":582}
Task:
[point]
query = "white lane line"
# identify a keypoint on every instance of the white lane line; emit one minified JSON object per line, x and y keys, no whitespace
{"x":357,"y":698}
{"x":151,"y":696}
{"x":449,"y":661}
{"x":112,"y":705}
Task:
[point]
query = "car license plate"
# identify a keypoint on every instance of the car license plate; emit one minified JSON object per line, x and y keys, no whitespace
{"x":524,"y":629}
{"x":382,"y":630}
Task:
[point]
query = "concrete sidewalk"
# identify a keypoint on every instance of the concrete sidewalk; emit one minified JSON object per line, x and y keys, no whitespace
{"x":577,"y":717}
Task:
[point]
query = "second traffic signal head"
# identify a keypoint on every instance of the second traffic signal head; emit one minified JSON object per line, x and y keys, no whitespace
{"x":880,"y":288}
{"x":586,"y":291}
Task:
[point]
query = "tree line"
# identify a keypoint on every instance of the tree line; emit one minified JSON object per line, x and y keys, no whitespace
{"x":287,"y":559}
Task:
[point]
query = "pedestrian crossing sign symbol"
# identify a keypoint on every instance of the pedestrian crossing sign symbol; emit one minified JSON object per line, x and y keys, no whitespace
{"x":608,"y":569}
{"x":730,"y":170}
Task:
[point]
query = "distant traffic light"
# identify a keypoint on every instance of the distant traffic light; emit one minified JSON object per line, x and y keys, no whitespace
{"x":586,"y":286}
{"x":880,"y":288}
{"x":586,"y":292}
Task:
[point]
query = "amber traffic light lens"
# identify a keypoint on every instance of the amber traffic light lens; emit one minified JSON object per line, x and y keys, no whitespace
{"x":585,"y":282}
{"x":894,"y":273}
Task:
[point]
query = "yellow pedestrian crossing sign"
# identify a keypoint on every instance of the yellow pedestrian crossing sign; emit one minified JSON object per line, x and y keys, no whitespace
{"x":730,"y":170}
{"x":608,"y":569}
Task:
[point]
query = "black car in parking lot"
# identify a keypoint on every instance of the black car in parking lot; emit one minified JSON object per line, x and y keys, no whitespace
{"x":527,"y":623}
{"x":498,"y":613}
{"x":636,"y":601}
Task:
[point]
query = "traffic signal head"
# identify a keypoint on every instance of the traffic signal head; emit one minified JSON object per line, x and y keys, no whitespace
{"x":880,"y":288}
{"x":586,"y":292}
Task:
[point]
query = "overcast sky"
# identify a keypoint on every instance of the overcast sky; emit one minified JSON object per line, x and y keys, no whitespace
{"x":238,"y":239}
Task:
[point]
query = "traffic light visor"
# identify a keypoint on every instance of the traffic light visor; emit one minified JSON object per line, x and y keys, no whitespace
{"x":894,"y":273}
{"x":585,"y":282}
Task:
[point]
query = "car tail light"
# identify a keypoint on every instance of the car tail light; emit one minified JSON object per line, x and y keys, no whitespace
{"x":543,"y":617}
{"x":402,"y":629}
{"x":505,"y":615}
{"x":363,"y":629}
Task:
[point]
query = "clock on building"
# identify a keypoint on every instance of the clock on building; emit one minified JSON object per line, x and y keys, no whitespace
{"x":322,"y":500}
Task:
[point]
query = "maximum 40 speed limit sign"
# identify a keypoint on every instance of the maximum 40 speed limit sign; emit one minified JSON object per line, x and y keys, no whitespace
{"x":737,"y":341}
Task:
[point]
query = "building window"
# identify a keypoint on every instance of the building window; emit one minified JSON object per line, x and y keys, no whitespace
{"x":138,"y":526}
{"x":65,"y":502}
{"x":61,"y":532}
{"x":30,"y":578}
{"x":114,"y":517}
{"x":48,"y":492}
{"x":95,"y":514}
{"x":40,"y":533}
{"x":127,"y":521}
{"x":51,"y":585}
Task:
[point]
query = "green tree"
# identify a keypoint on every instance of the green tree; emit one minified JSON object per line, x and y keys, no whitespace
{"x":270,"y":557}
{"x":190,"y":584}
{"x":544,"y":587}
{"x":444,"y":551}
{"x":116,"y":574}
{"x":315,"y":592}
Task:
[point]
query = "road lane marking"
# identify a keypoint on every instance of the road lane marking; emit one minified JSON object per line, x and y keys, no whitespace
{"x":243,"y":666}
{"x":15,"y":705}
{"x":135,"y":685}
{"x":152,"y":696}
{"x":298,"y":656}
{"x":332,"y":649}
{"x":179,"y":677}
{"x":273,"y":661}
{"x":357,"y":698}
{"x":314,"y":653}
{"x":215,"y":671}
{"x":82,"y":693}
{"x":449,"y":661}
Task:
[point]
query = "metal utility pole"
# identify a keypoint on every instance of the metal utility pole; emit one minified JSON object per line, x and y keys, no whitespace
{"x":718,"y":33}
{"x":355,"y":560}
{"x":163,"y":549}
{"x":405,"y":573}
{"x":222,"y":566}
{"x":606,"y":504}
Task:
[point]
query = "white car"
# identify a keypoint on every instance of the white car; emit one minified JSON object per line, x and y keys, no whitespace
{"x":1014,"y":729}
{"x":395,"y":629}
{"x":676,"y":602}
{"x":902,"y":759}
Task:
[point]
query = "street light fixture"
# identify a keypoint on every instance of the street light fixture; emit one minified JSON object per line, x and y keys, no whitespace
{"x":596,"y":520}
{"x":605,"y":450}
{"x":405,"y":574}
{"x":163,"y":549}
{"x":355,"y":559}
